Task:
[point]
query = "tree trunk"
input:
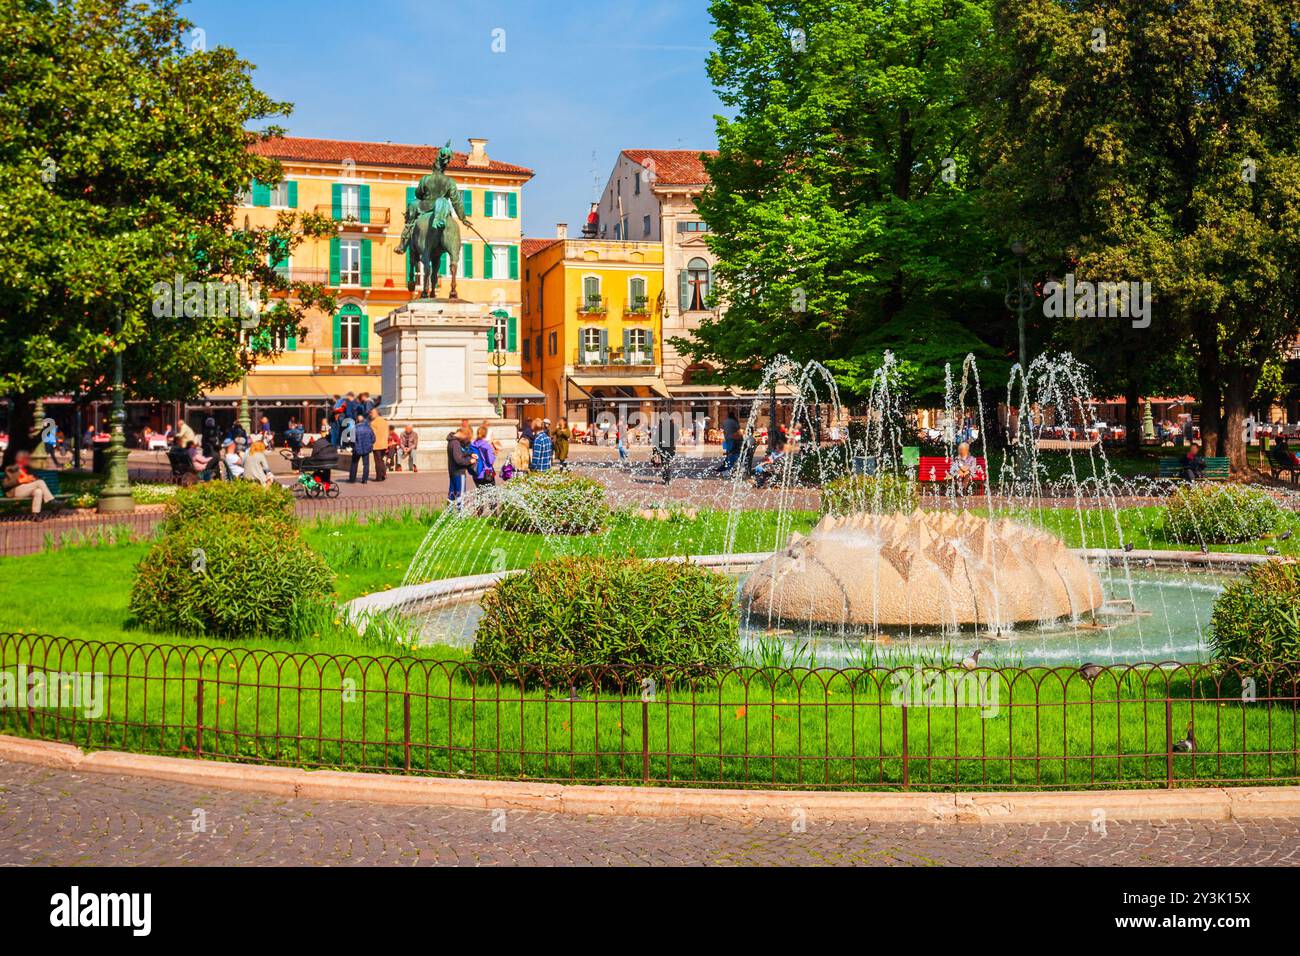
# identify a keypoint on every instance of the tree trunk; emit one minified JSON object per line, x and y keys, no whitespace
{"x":1132,"y":418}
{"x":1211,"y":399}
{"x":22,"y":419}
{"x":1232,"y":441}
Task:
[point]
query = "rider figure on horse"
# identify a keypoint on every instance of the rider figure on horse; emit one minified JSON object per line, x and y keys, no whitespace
{"x":436,"y":197}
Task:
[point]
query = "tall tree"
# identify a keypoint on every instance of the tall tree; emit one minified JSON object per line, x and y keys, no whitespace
{"x":1158,"y":142}
{"x":839,"y":202}
{"x":123,"y":150}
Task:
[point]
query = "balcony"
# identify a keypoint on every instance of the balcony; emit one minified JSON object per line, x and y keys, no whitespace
{"x":592,"y":305}
{"x":640,"y":306}
{"x":629,"y":362}
{"x":378,"y":215}
{"x":348,"y":358}
{"x":378,"y":280}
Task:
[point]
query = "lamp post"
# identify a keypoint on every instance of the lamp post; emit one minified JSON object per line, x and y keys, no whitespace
{"x":1017,"y":299}
{"x":499,"y":359}
{"x":116,"y":496}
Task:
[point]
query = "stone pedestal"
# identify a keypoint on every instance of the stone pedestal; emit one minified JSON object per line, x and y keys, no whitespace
{"x":435,"y":374}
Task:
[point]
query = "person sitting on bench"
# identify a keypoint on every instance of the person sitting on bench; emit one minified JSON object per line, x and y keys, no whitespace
{"x":20,"y":482}
{"x":1192,"y":466}
{"x":965,"y":468}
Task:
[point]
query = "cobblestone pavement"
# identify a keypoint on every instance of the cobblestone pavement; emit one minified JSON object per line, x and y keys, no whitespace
{"x":52,"y":817}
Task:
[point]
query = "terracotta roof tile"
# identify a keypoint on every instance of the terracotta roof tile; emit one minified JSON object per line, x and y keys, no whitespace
{"x":371,"y":154}
{"x":674,"y":167}
{"x":533,"y":246}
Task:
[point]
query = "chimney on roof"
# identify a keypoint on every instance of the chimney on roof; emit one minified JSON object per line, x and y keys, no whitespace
{"x":561,"y":230}
{"x":477,"y":153}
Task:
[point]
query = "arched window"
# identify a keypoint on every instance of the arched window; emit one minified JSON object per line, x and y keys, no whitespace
{"x":695,"y":285}
{"x":351,"y":334}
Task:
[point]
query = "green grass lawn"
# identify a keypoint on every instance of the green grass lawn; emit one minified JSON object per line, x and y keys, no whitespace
{"x":341,"y":700}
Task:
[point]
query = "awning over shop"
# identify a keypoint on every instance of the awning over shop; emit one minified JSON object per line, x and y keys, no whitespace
{"x":701,"y":391}
{"x":600,"y":386}
{"x":304,"y":386}
{"x":513,"y":386}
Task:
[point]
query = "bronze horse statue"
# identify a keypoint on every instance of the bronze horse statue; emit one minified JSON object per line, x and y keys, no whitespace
{"x":432,"y":228}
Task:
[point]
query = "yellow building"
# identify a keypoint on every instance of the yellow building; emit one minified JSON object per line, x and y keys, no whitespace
{"x":592,"y":315}
{"x":365,"y":188}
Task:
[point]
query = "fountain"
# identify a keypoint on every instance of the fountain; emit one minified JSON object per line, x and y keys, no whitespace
{"x":926,"y":569}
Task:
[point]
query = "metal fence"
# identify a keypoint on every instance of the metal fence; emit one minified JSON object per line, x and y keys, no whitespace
{"x":925,"y":728}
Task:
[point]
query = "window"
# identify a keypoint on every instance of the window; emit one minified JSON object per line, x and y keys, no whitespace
{"x":350,"y":201}
{"x":591,"y":292}
{"x":617,"y":231}
{"x":636,"y":296}
{"x":498,"y":341}
{"x":349,"y":338}
{"x":697,"y":285}
{"x":554,"y":343}
{"x":692,"y":227}
{"x":500,"y":261}
{"x":349,"y":261}
{"x":280,"y":195}
{"x":528,"y":350}
{"x":636,"y":184}
{"x":500,"y":206}
{"x":590,"y":344}
{"x":638,"y":347}
{"x":645,"y":225}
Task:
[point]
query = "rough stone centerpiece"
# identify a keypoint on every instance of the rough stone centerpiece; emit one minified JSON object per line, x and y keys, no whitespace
{"x":924,"y":569}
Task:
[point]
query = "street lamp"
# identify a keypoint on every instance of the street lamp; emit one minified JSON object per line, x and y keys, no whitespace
{"x":499,"y":359}
{"x":1018,"y":299}
{"x":116,"y":497}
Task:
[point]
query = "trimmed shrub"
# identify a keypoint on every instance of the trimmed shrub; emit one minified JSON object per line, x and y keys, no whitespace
{"x":553,"y":502}
{"x":231,"y":499}
{"x":879,"y":494}
{"x":561,"y":619}
{"x":1257,"y":617}
{"x":223,"y":577}
{"x":1225,"y":514}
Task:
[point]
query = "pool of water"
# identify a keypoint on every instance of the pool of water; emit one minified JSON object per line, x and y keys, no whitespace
{"x":1151,"y":615}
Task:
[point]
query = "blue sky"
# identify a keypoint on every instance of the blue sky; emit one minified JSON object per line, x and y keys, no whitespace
{"x":576,"y":77}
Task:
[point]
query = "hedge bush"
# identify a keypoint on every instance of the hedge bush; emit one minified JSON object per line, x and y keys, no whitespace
{"x":562,"y":618}
{"x":553,"y":502}
{"x":244,"y":500}
{"x":219,"y":576}
{"x":1225,"y":514}
{"x":880,"y":494}
{"x":1257,"y":617}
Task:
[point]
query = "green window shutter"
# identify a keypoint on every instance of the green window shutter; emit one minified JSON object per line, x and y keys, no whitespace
{"x":334,"y":263}
{"x":336,"y":201}
{"x":512,"y":334}
{"x":604,"y":345}
{"x":442,"y":263}
{"x":487,"y":261}
{"x":467,"y":261}
{"x":363,"y":339}
{"x":514,"y":262}
{"x":365,"y":262}
{"x":513,"y":208}
{"x":293,"y":194}
{"x":338,"y":335}
{"x":492,"y":337}
{"x":650,"y":342}
{"x":291,"y":343}
{"x":684,"y":290}
{"x":487,"y":202}
{"x":627,"y":342}
{"x":261,"y":194}
{"x":410,"y":196}
{"x":365,"y":202}
{"x":467,"y":202}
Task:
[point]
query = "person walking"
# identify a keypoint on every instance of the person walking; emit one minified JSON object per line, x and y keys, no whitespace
{"x":560,"y":438}
{"x":730,"y":442}
{"x":460,"y":461}
{"x":379,"y":425}
{"x":543,"y":450}
{"x":363,"y":438}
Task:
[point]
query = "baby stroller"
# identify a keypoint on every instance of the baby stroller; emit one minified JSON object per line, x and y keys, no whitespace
{"x":314,"y":481}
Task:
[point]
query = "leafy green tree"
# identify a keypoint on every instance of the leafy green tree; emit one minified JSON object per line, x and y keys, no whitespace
{"x":839,"y":203}
{"x":1158,"y":143}
{"x":123,"y":151}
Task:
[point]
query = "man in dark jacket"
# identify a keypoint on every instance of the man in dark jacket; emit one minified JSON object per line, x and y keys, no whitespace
{"x":460,"y":460}
{"x":363,"y":444}
{"x":323,"y":457}
{"x":211,"y":442}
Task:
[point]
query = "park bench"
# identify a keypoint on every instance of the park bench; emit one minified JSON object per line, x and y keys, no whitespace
{"x":22,"y":506}
{"x":936,"y":468}
{"x":1216,"y":469}
{"x":1280,"y":460}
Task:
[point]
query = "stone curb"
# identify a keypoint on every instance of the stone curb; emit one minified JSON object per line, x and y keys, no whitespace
{"x":1207,"y":803}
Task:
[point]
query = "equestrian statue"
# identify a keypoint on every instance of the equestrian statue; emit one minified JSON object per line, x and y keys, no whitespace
{"x":432,"y":228}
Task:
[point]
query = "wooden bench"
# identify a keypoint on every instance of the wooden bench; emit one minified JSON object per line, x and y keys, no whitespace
{"x":1216,"y":469}
{"x":1280,"y":460}
{"x":935,"y":468}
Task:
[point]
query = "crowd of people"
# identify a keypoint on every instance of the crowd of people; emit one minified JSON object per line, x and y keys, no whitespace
{"x":472,"y":454}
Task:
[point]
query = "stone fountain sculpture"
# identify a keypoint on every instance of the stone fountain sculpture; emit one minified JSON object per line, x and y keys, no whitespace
{"x":924,"y":569}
